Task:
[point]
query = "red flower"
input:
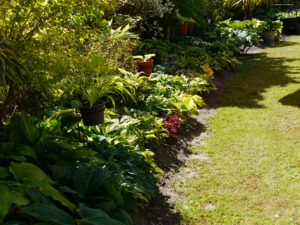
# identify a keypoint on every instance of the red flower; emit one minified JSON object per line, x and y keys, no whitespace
{"x":178,"y":111}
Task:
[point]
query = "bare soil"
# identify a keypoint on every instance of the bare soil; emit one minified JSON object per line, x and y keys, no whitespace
{"x":171,"y":158}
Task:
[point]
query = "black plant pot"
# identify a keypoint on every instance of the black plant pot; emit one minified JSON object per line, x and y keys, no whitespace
{"x":94,"y":115}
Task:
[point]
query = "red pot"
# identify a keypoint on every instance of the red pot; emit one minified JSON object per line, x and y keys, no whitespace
{"x":182,"y":28}
{"x":145,"y":67}
{"x":191,"y":27}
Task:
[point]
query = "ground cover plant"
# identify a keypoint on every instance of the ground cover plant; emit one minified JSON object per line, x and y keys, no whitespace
{"x":252,"y":176}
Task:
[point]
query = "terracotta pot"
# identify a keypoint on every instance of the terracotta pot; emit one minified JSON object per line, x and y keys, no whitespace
{"x":145,"y":67}
{"x":268,"y":37}
{"x":92,"y":116}
{"x":191,"y":27}
{"x":182,"y":28}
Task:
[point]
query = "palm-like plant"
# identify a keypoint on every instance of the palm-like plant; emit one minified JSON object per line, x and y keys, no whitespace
{"x":248,"y":5}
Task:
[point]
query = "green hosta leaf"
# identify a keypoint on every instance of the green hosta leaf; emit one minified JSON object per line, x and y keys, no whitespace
{"x":92,"y":216}
{"x":18,"y":158}
{"x":37,"y":197}
{"x":131,"y":203}
{"x":87,"y":179}
{"x":4,"y":173}
{"x":49,"y":214}
{"x":98,"y":221}
{"x":107,"y":206}
{"x":123,"y":216}
{"x":30,"y":131}
{"x":113,"y":192}
{"x":27,"y":172}
{"x":26,"y":151}
{"x":50,"y":191}
{"x":5,"y":201}
{"x":87,"y":212}
{"x":61,"y":173}
{"x":79,"y":154}
{"x":18,"y":197}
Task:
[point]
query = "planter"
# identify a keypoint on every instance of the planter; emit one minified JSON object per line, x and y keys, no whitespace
{"x":268,"y":37}
{"x":182,"y":28}
{"x":191,"y":27}
{"x":92,"y":116}
{"x":145,"y":67}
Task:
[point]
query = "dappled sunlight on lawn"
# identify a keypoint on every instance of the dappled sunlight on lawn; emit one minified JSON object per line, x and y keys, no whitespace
{"x":254,"y":146}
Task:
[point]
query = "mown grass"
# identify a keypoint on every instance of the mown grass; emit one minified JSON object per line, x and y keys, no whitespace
{"x":254,"y":145}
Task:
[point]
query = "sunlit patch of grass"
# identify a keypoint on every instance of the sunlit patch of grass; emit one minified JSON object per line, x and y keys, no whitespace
{"x":253,"y":176}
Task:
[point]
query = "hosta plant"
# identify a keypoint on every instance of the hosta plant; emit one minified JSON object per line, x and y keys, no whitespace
{"x":49,"y":175}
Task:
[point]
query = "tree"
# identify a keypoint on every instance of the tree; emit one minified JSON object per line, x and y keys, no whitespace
{"x":248,"y":5}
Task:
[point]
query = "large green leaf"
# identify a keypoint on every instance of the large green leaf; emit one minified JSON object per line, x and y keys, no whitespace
{"x":27,"y":172}
{"x":88,"y":179}
{"x":50,"y":191}
{"x":49,"y":214}
{"x":30,"y":131}
{"x":37,"y":197}
{"x":122,"y":215}
{"x":5,"y":201}
{"x":4,"y":173}
{"x":107,"y":205}
{"x":92,"y":216}
{"x":18,"y":197}
{"x":113,"y":192}
{"x":26,"y":150}
{"x":87,"y":212}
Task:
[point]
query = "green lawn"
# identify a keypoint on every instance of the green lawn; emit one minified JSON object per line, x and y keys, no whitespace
{"x":253,"y":176}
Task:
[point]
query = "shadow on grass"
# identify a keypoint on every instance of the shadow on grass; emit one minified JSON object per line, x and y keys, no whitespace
{"x":285,"y":44}
{"x":291,"y":99}
{"x":171,"y":157}
{"x":257,"y":73}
